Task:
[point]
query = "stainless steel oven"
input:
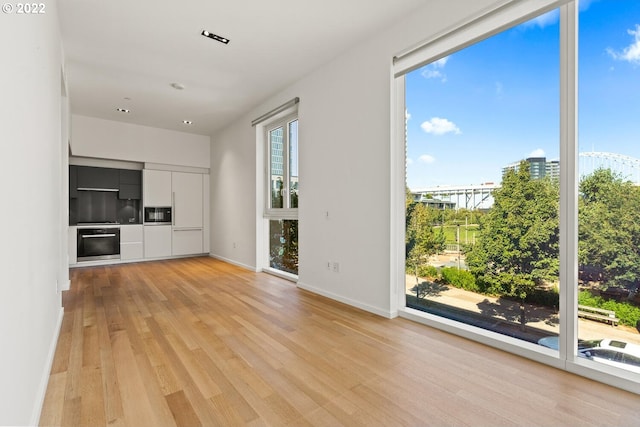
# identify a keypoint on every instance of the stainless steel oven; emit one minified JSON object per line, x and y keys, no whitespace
{"x":97,"y":243}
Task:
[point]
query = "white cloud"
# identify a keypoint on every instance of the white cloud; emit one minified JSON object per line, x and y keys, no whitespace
{"x":433,"y":70}
{"x":553,"y":17}
{"x":426,"y":158}
{"x":630,"y":53}
{"x":543,"y":20}
{"x":409,"y":161}
{"x":439,"y":126}
{"x":539,"y":152}
{"x":584,"y":4}
{"x":407,"y":115}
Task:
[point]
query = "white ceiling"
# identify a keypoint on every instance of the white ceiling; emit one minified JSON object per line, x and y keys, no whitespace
{"x":119,"y":49}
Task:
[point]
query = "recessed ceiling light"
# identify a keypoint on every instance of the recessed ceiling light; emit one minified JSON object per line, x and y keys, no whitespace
{"x":215,"y":37}
{"x":122,"y":110}
{"x":187,"y":122}
{"x":178,"y":86}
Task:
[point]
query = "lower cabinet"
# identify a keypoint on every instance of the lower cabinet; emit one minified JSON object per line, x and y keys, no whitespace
{"x":187,"y":241}
{"x":131,"y":238}
{"x":157,"y":241}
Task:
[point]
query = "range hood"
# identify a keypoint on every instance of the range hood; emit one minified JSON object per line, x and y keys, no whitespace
{"x":98,"y":189}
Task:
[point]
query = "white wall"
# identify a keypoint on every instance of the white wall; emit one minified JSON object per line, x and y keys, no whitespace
{"x":233,"y":196}
{"x":31,"y":176}
{"x":107,"y":139}
{"x":345,"y":126}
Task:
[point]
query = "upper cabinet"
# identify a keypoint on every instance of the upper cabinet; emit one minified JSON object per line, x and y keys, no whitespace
{"x":91,"y":178}
{"x":187,"y":200}
{"x":130,"y":184}
{"x":127,"y":182}
{"x":156,"y":188}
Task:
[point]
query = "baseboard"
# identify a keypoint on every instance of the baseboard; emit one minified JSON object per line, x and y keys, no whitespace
{"x":366,"y":307}
{"x":236,"y":263}
{"x":44,"y":381}
{"x":98,"y":263}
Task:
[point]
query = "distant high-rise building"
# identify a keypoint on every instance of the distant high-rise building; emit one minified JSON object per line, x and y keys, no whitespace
{"x":553,"y":169}
{"x":277,"y":154}
{"x":537,"y":167}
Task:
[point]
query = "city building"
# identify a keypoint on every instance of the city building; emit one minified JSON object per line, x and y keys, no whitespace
{"x":433,"y":202}
{"x":537,"y":167}
{"x":552,"y":169}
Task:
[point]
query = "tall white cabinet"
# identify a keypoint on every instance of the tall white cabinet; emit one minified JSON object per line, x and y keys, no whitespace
{"x":188,"y":202}
{"x":156,"y":186}
{"x":188,"y":195}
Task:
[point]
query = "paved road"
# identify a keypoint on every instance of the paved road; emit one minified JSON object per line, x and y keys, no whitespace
{"x":504,"y":315}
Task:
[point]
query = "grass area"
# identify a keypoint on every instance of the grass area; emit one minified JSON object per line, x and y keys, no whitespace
{"x":467,"y":233}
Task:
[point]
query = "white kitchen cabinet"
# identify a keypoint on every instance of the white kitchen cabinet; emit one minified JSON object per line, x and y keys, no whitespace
{"x":186,"y":193}
{"x":73,"y":245}
{"x":187,"y":241}
{"x":187,"y":213}
{"x":131,"y":242}
{"x":157,"y":241}
{"x":156,"y":187}
{"x":187,"y":199}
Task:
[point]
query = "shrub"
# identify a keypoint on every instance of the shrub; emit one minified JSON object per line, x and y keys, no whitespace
{"x":425,"y":270}
{"x":627,"y":313}
{"x":544,"y":297}
{"x":428,"y":271}
{"x":459,"y":278}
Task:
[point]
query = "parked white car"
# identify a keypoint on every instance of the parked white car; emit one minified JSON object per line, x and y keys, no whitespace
{"x":608,"y":351}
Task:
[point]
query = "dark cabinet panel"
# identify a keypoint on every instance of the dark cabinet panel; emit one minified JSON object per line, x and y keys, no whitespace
{"x":128,"y":176}
{"x":130,"y":184}
{"x":73,"y":182}
{"x":130,"y":191}
{"x":98,"y":178}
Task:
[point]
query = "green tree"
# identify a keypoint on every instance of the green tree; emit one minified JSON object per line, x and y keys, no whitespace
{"x":422,"y":238}
{"x":517,"y":242}
{"x":609,"y":226}
{"x":283,"y":253}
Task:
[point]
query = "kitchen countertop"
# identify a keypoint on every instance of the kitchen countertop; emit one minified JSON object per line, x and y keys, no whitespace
{"x":102,"y":225}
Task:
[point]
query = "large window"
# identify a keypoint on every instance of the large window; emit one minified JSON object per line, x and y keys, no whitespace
{"x":516,"y":231}
{"x":482,"y":212}
{"x":609,"y":179}
{"x":281,"y":210}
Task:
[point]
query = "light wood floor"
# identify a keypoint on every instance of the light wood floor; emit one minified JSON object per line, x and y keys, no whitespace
{"x":197,"y":342}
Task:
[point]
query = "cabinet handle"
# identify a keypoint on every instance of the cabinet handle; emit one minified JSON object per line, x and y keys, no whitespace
{"x":94,"y":236}
{"x":173,"y":208}
{"x":188,"y":229}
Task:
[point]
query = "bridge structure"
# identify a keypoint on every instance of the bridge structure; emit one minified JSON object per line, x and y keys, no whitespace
{"x":479,"y":196}
{"x":464,"y":196}
{"x":627,"y":167}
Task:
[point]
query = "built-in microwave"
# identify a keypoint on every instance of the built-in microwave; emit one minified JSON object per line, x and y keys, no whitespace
{"x":155,"y":215}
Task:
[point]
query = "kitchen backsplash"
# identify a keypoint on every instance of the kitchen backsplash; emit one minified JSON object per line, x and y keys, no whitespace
{"x":103,"y":206}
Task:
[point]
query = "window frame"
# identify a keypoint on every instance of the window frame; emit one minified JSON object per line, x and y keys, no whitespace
{"x":501,"y":16}
{"x":286,"y":212}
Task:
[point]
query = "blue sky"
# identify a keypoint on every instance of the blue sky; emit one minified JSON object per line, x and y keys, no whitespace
{"x":496,"y":102}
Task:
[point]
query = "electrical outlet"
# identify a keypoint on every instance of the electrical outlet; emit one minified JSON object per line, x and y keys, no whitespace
{"x":335,"y":267}
{"x":329,"y":265}
{"x":235,"y":245}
